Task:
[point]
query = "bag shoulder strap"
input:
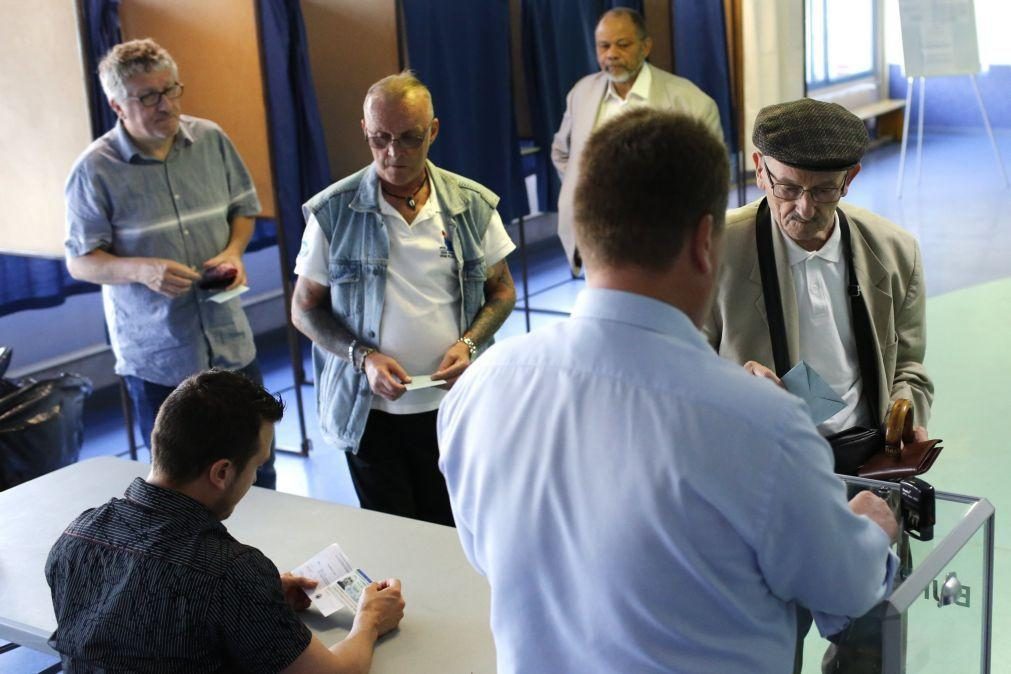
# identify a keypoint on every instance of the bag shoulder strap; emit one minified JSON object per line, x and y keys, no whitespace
{"x":770,"y":289}
{"x":863,"y":330}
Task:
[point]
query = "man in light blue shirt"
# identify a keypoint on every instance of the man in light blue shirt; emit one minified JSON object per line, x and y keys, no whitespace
{"x":637,"y":503}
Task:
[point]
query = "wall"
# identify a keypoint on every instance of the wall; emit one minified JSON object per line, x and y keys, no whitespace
{"x":41,"y":79}
{"x":951,"y":103}
{"x":773,"y":34}
{"x":343,"y":68}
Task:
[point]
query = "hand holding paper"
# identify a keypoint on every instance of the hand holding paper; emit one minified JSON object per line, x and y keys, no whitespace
{"x":226,"y":295}
{"x":423,"y":381}
{"x":339,"y":584}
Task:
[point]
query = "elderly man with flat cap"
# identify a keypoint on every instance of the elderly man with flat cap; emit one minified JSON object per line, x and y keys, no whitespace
{"x":807,"y":278}
{"x":842,"y":285}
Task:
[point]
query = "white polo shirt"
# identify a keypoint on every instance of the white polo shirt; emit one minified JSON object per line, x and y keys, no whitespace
{"x":421,"y":312}
{"x":827,"y":342}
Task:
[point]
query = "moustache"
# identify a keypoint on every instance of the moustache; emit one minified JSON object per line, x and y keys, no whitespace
{"x":794,"y":218}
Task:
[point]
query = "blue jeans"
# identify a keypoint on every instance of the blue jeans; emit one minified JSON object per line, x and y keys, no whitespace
{"x":147,"y":398}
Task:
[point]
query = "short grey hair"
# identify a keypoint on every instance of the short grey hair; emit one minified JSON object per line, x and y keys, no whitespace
{"x":398,"y":87}
{"x":128,"y":59}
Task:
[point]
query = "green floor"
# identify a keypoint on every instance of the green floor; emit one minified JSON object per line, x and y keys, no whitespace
{"x":969,"y":358}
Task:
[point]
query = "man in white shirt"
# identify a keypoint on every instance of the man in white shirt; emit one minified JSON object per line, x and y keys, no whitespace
{"x":625,"y":81}
{"x":637,"y":503}
{"x":402,"y":275}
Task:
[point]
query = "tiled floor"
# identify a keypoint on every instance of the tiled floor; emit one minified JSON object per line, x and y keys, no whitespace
{"x":961,"y":214}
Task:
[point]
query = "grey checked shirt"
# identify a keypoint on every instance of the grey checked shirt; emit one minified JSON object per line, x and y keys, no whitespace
{"x":130,"y":205}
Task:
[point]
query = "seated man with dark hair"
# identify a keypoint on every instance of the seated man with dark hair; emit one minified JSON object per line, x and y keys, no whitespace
{"x":153,"y":582}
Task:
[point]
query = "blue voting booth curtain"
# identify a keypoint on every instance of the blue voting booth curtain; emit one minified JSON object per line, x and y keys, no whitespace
{"x":700,"y":55}
{"x":102,"y":33}
{"x":460,"y":50}
{"x":36,"y":283}
{"x":558,"y":50}
{"x":301,"y":168}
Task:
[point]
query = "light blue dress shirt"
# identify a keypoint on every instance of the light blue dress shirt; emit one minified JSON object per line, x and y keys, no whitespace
{"x":640,"y":505}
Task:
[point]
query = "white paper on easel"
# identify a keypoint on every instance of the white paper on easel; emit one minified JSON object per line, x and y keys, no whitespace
{"x":939,"y":37}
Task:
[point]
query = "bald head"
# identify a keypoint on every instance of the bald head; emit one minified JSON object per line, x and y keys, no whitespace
{"x":622,"y":14}
{"x":405,"y":88}
{"x":399,"y":125}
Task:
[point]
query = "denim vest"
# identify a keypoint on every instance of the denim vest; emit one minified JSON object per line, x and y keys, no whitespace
{"x":348,"y":213}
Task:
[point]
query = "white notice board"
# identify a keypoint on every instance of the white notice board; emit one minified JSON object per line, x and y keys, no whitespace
{"x":939,"y":37}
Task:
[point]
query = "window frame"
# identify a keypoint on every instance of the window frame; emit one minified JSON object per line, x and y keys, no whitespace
{"x":827,"y":81}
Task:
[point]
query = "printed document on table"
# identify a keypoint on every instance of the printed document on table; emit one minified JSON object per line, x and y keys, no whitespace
{"x":339,"y":584}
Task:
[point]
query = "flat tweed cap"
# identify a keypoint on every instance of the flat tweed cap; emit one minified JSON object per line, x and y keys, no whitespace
{"x":811,"y":135}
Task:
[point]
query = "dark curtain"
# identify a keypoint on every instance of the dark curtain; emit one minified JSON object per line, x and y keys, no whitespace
{"x":101,"y":20}
{"x":460,"y":50}
{"x":301,"y":168}
{"x":36,"y":283}
{"x":558,"y":50}
{"x":699,"y":32}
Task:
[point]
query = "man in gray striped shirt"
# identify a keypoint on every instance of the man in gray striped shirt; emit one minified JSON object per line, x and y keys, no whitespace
{"x":152,"y":203}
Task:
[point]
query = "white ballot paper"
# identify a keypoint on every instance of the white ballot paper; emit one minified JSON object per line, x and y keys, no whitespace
{"x":339,"y":584}
{"x":226,"y":295}
{"x":423,"y":381}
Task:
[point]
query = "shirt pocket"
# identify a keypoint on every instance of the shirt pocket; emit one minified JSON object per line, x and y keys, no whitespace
{"x":346,"y":289}
{"x":474,"y":275}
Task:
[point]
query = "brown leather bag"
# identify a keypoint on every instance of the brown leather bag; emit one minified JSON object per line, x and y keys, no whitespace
{"x":901,"y":456}
{"x":888,"y":453}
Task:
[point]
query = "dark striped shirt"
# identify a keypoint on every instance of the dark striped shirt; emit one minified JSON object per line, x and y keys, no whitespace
{"x":153,"y":582}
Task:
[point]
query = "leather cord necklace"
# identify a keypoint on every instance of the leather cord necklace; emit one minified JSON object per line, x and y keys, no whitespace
{"x":409,"y":199}
{"x":863,"y":331}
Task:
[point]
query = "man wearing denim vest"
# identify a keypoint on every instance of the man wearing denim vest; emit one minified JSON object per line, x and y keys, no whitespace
{"x":402,"y":277}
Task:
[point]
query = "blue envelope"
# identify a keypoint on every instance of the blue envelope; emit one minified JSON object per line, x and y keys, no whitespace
{"x":803,"y":382}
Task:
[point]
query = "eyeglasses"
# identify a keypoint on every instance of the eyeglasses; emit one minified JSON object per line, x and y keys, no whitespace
{"x":407,"y":141}
{"x":154,"y":98}
{"x":822,"y":195}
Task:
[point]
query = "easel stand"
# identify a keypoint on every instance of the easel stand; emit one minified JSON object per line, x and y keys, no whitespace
{"x":919,"y":135}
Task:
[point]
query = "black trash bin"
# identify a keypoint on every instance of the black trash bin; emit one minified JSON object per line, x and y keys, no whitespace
{"x":41,"y":423}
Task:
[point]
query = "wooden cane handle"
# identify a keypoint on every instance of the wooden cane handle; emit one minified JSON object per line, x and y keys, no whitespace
{"x":898,"y":426}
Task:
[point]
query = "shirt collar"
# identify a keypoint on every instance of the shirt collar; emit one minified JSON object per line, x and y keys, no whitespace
{"x":830,"y":252}
{"x":640,"y":88}
{"x":128,"y":149}
{"x":637,"y":310}
{"x":149,"y":496}
{"x":429,"y":210}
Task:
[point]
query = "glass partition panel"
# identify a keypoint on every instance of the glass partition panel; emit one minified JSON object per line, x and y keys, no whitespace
{"x":945,"y":623}
{"x":938,"y":619}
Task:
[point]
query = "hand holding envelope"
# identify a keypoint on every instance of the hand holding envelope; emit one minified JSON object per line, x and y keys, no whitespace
{"x":803,"y":382}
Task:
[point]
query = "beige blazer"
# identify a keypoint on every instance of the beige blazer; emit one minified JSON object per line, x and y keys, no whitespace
{"x":887,"y":262}
{"x":668,"y":92}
